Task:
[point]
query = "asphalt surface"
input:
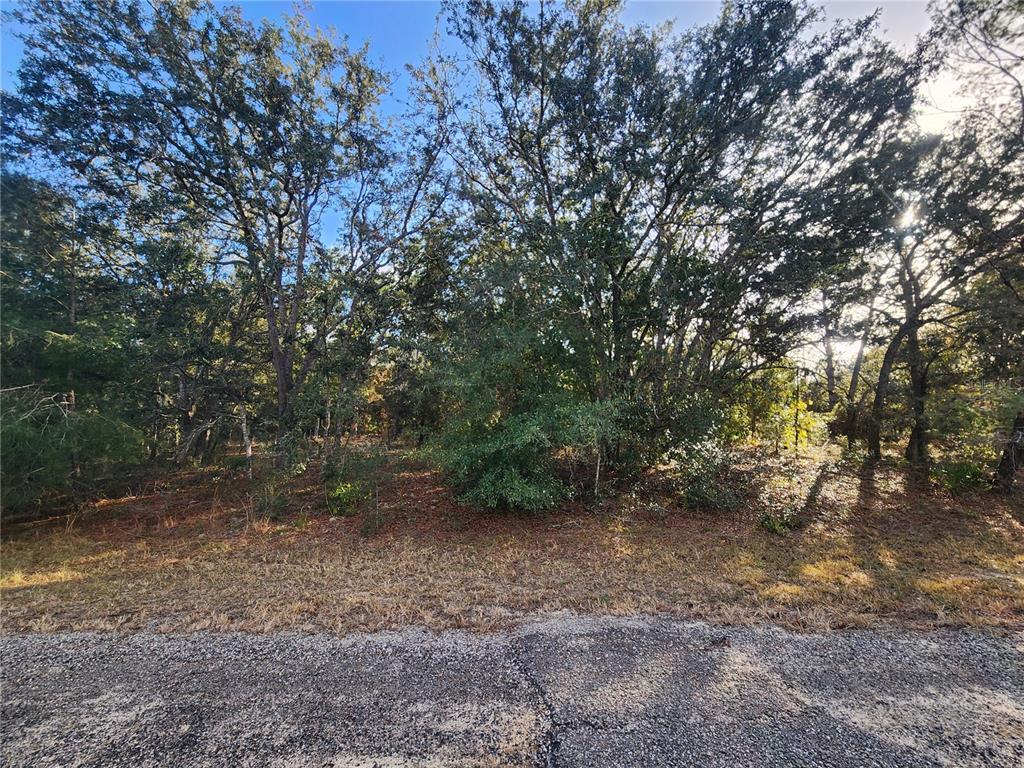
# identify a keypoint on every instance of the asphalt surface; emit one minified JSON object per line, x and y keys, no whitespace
{"x":562,"y":692}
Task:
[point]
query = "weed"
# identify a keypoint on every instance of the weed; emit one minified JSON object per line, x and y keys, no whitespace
{"x":350,"y":478}
{"x":780,"y":522}
{"x":269,"y":502}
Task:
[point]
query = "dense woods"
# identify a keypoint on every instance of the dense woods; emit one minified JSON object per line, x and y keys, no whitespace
{"x":578,"y":250}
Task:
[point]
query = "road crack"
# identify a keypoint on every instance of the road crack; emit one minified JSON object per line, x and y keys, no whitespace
{"x":546,"y":755}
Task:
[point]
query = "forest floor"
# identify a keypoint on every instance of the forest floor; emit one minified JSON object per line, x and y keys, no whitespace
{"x":190,"y":553}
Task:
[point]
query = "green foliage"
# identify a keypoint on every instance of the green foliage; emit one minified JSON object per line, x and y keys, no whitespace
{"x":504,"y":461}
{"x":779,"y":523}
{"x":344,"y":499}
{"x":769,"y":409}
{"x":350,"y":478}
{"x":705,"y":473}
{"x":962,"y":476}
{"x":49,"y":450}
{"x":664,"y":308}
{"x":968,"y":416}
{"x":293,"y":453}
{"x":65,"y":430}
{"x":511,"y":424}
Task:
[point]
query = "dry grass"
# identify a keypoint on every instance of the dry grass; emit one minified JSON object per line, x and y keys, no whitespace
{"x":193,"y":557}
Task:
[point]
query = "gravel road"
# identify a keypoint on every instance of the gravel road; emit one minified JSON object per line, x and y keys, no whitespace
{"x":561,"y":692}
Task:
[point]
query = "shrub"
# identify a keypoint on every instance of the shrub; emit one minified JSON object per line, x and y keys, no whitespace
{"x":510,"y":486}
{"x":42,"y":443}
{"x":292,"y":453}
{"x":350,"y":477}
{"x":779,"y":522}
{"x":511,"y":461}
{"x":344,"y":499}
{"x":269,"y":501}
{"x":705,"y":472}
{"x":961,"y":476}
{"x":501,"y":461}
{"x":519,"y":433}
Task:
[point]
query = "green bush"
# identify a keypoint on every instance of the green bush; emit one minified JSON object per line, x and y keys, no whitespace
{"x":49,"y":451}
{"x":350,"y":477}
{"x":344,"y":499}
{"x":961,"y":476}
{"x":705,"y":472}
{"x":512,"y":461}
{"x":292,"y":453}
{"x":501,"y":461}
{"x":512,"y":427}
{"x":779,"y":522}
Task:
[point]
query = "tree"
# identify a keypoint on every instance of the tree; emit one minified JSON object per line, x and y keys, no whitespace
{"x":64,"y":352}
{"x":961,"y":215}
{"x":257,"y":129}
{"x":668,"y":236}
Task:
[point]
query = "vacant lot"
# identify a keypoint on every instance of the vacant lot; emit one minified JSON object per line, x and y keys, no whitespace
{"x":194,"y":553}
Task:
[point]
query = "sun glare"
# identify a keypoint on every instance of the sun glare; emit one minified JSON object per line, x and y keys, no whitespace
{"x":908,"y":217}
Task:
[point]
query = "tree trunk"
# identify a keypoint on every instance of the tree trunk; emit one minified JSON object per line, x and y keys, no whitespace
{"x":327,"y":445}
{"x":188,"y":446}
{"x":338,"y":425}
{"x":214,"y":437}
{"x":246,"y":439}
{"x":917,"y":446}
{"x":881,"y":392}
{"x":1013,"y":456}
{"x":184,"y":409}
{"x":76,"y":466}
{"x":202,"y":446}
{"x":830,"y":361}
{"x":796,"y":418}
{"x":851,"y":393}
{"x":830,"y":374}
{"x":280,"y":360}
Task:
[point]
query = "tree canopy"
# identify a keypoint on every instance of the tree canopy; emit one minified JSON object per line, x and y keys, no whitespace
{"x":582,"y":249}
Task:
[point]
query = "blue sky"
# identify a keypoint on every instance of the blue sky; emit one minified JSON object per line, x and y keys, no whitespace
{"x":399,"y":31}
